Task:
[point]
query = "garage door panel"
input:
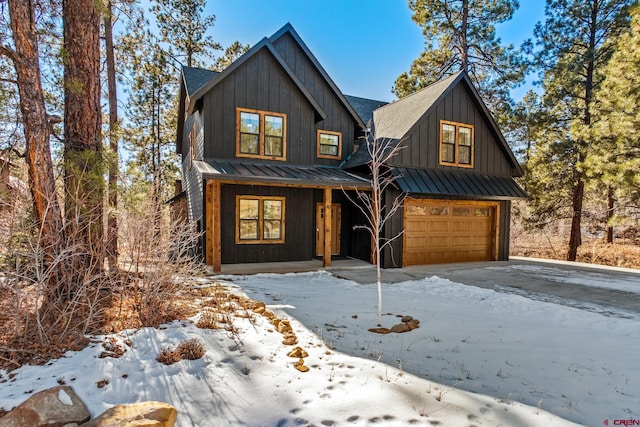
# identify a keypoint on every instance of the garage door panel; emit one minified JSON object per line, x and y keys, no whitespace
{"x":461,"y":226}
{"x":449,"y":232}
{"x":438,"y":225}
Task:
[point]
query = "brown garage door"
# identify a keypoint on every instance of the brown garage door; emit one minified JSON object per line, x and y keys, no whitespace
{"x":441,"y":231}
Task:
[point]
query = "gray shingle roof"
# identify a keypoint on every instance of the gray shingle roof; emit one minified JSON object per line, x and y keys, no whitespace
{"x":364,"y":107}
{"x":195,"y":78}
{"x":396,"y":119}
{"x":279,"y":173}
{"x":439,"y":182}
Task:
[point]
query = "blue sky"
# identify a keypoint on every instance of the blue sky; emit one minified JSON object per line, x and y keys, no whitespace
{"x":363,"y":45}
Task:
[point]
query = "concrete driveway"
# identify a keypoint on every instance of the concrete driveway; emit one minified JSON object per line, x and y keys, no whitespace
{"x":606,"y":290}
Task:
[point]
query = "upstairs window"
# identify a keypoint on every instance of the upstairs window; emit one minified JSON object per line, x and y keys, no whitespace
{"x":329,"y":144}
{"x":456,"y":144}
{"x":260,"y":134}
{"x":259,"y":220}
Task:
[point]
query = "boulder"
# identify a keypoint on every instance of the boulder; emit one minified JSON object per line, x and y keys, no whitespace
{"x":400,"y":328}
{"x":55,"y":407}
{"x":143,"y":414}
{"x":298,"y":353}
{"x":413,"y":324}
{"x":379,"y":330}
{"x":406,"y":319}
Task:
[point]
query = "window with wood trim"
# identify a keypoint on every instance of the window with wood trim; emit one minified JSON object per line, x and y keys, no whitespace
{"x":329,"y":144}
{"x":260,"y":219}
{"x":261,"y":134}
{"x":456,"y":144}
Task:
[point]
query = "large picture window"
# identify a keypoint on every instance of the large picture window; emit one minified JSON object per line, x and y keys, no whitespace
{"x":259,"y":219}
{"x":329,"y":144}
{"x":260,"y":134}
{"x":456,"y":144}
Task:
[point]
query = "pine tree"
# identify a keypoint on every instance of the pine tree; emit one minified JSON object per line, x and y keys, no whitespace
{"x":615,"y":161}
{"x":183,"y":26}
{"x":461,"y":35}
{"x":233,"y":52}
{"x":36,"y":124}
{"x":83,"y":166}
{"x":575,"y":45}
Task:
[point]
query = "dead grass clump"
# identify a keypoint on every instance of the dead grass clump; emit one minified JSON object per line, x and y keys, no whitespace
{"x":208,"y":320}
{"x":191,"y":349}
{"x":168,"y":356}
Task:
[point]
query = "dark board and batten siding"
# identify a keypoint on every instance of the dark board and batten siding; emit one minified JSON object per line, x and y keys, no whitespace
{"x":504,"y":230}
{"x":299,"y":220}
{"x":262,"y":84}
{"x":422,"y":142}
{"x":338,"y":118}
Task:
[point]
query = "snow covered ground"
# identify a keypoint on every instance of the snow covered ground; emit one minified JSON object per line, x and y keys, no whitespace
{"x":502,"y":348}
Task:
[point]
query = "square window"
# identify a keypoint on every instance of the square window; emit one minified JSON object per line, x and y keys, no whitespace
{"x":273,"y":146}
{"x":456,"y":144}
{"x":259,"y":219}
{"x":249,"y":123}
{"x":273,"y":125}
{"x":249,"y":144}
{"x":260,"y":134}
{"x":329,"y":144}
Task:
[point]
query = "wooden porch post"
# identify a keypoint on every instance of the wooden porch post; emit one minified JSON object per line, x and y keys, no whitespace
{"x":212,"y":209}
{"x":326,"y":257}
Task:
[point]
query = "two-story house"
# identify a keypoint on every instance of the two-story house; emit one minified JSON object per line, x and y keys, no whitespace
{"x":268,"y":161}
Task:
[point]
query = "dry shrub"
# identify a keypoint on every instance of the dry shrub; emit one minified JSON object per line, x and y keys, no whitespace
{"x":191,"y":349}
{"x":161,"y":257}
{"x":208,"y":320}
{"x":168,"y":356}
{"x":38,"y":321}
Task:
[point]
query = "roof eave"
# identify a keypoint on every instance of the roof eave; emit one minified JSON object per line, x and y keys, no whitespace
{"x":288,"y":28}
{"x":264,"y":43}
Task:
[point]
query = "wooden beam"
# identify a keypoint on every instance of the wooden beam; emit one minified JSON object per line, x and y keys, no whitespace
{"x":326,"y":257}
{"x":212,"y":228}
{"x":364,"y":186}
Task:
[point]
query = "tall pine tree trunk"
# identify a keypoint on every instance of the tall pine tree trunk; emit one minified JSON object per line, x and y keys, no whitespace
{"x":83,"y":147}
{"x":575,"y":238}
{"x":611,"y":200}
{"x":112,"y":221}
{"x":36,"y":129}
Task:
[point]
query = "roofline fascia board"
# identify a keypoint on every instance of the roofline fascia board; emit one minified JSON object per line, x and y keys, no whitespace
{"x":264,"y":43}
{"x":288,"y":28}
{"x":274,"y":182}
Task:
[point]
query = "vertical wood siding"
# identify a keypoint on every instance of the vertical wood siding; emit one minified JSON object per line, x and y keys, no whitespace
{"x":262,"y":84}
{"x":299,"y":226}
{"x":422,"y":143}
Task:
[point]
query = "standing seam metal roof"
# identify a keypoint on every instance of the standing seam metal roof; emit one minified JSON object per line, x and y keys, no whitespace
{"x":321,"y":176}
{"x":454,"y":183}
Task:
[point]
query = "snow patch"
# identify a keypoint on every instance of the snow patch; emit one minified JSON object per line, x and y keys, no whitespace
{"x":64,"y":398}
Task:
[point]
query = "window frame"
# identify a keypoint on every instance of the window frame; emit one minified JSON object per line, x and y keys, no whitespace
{"x":261,"y":134}
{"x":319,"y":155}
{"x":261,"y":220}
{"x":456,"y":150}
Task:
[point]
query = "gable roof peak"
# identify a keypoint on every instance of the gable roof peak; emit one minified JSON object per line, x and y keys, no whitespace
{"x":394,"y":120}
